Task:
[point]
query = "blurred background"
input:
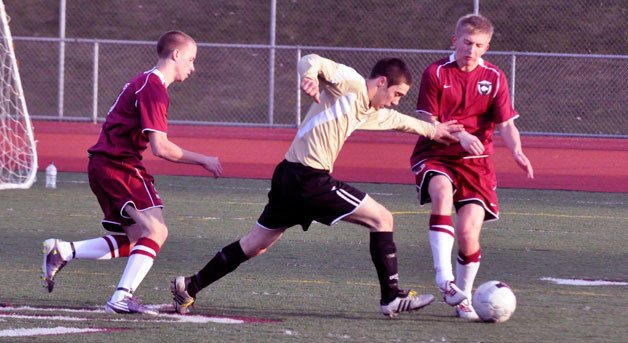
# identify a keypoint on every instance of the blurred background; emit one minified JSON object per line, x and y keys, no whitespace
{"x":566,"y":60}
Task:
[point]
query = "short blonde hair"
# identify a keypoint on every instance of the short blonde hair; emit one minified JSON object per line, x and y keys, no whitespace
{"x":172,"y":40}
{"x":474,"y":23}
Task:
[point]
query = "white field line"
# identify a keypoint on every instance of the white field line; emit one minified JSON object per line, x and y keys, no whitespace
{"x":584,"y":282}
{"x":162,"y":318}
{"x":59,"y":330}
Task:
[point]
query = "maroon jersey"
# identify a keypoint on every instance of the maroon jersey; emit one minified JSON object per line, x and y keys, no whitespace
{"x":141,"y":106}
{"x":479,"y":100}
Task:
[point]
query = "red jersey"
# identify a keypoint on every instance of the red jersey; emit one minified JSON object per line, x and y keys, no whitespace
{"x":478,"y":100}
{"x":141,"y":106}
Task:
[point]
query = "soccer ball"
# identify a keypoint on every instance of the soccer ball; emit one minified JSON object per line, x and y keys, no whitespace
{"x":494,"y":302}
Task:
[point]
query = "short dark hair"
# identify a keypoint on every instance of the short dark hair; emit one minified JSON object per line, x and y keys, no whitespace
{"x":394,"y":69}
{"x":172,"y":40}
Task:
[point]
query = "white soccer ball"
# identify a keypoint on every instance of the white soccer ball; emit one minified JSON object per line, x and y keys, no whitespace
{"x":494,"y":302}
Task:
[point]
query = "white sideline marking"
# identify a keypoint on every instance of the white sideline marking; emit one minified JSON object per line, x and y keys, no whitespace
{"x":59,"y":330}
{"x":161,"y":318}
{"x":584,"y":282}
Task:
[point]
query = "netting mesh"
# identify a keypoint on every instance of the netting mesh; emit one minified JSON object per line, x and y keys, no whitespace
{"x":18,"y":159}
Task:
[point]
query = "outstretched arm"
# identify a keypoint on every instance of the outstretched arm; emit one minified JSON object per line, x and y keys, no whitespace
{"x":512,"y":139}
{"x":164,"y":148}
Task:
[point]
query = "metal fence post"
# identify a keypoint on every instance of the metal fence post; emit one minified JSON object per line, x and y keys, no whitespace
{"x":271,"y":63}
{"x":298,"y":111}
{"x":95,"y":85}
{"x":61,"y":71}
{"x":513,"y":69}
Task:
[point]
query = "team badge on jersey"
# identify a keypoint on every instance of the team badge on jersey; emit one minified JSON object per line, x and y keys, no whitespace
{"x":484,"y":87}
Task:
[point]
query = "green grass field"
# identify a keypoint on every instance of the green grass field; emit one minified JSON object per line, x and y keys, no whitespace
{"x":320,"y":285}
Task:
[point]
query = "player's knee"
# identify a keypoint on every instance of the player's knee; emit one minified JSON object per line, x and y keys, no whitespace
{"x":385,"y":221}
{"x":468,"y":240}
{"x":441,"y":190}
{"x":159,"y":233}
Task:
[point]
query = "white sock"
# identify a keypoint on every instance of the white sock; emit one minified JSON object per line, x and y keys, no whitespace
{"x":101,"y":248}
{"x":465,"y":276}
{"x":139,"y":264}
{"x":442,"y":244}
{"x":65,"y":250}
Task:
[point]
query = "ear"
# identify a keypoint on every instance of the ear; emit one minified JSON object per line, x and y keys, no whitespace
{"x":175,"y":54}
{"x":381,"y":81}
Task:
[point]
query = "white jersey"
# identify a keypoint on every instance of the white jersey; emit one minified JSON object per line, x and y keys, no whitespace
{"x":344,"y":107}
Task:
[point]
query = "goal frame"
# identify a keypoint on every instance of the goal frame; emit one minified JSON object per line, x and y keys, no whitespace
{"x":27,"y":180}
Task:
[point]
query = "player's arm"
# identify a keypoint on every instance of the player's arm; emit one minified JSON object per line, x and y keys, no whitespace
{"x":314,"y":69}
{"x":512,"y":139}
{"x":162,"y":147}
{"x":389,"y":119}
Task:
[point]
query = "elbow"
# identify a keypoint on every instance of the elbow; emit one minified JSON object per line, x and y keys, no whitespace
{"x":159,"y":152}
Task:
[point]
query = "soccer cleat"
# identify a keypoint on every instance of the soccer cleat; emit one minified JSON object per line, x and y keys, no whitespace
{"x":452,"y":294}
{"x":53,"y":262}
{"x":406,"y":301}
{"x":129,"y":305}
{"x":466,"y":311}
{"x":182,"y":299}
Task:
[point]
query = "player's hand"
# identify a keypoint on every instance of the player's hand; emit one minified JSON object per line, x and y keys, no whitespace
{"x":524,"y":163}
{"x":444,"y":132}
{"x":310,"y":87}
{"x":471,"y":143}
{"x":213,"y":165}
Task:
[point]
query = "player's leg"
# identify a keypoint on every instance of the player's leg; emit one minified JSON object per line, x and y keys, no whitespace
{"x":476,"y":202}
{"x":149,"y":232}
{"x":470,"y":219}
{"x":441,"y":236}
{"x":383,"y":251}
{"x":256,"y":242}
{"x":280,"y":212}
{"x":57,"y":253}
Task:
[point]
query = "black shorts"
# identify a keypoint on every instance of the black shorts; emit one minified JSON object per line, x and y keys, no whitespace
{"x":301,"y":194}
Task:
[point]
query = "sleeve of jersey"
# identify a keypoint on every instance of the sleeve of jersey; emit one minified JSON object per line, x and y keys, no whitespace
{"x":502,"y":107}
{"x":428,"y":93}
{"x":152,"y":105}
{"x":314,"y":66}
{"x":388,"y":119}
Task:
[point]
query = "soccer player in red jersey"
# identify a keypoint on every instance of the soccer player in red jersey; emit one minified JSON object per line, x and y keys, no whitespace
{"x":466,"y":88}
{"x":123,"y":187}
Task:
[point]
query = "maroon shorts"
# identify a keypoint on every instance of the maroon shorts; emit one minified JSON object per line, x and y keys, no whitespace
{"x":473,"y":180}
{"x":117,"y":184}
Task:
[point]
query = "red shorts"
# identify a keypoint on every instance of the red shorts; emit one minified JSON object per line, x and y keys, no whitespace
{"x":117,"y":184}
{"x":473,"y":180}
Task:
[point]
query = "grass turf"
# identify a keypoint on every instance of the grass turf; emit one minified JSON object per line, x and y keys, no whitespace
{"x":318,"y":285}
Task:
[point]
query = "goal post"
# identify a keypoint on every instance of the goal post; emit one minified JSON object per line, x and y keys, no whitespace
{"x":18,"y":155}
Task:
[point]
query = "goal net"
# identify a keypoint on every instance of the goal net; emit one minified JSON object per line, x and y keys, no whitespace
{"x":18,"y":157}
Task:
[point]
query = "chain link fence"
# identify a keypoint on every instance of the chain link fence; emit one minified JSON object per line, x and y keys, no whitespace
{"x":567,"y":61}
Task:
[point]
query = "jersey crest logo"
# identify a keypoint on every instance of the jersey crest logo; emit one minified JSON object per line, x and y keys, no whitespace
{"x":484,"y":87}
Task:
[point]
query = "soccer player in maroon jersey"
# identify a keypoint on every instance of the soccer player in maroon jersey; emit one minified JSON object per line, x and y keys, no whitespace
{"x":123,"y":187}
{"x":474,"y":92}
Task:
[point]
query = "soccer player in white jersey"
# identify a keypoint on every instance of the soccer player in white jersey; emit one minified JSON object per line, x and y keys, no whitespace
{"x":466,"y":88}
{"x":303,"y":189}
